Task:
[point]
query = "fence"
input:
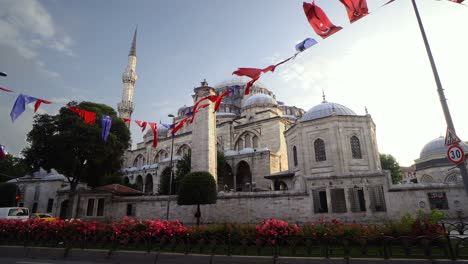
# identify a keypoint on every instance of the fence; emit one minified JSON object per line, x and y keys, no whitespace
{"x":453,"y":245}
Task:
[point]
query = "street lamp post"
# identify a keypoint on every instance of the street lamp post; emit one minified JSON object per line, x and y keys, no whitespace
{"x":172,"y":171}
{"x":440,"y":90}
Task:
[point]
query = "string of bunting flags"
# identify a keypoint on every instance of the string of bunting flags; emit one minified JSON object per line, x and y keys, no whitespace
{"x":318,"y":20}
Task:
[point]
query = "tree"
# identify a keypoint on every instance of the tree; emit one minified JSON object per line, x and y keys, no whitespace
{"x":197,"y":187}
{"x":12,"y":167}
{"x":8,"y":192}
{"x":183,"y":168}
{"x":185,"y":165}
{"x":75,"y":149}
{"x":388,"y":162}
{"x":163,"y":188}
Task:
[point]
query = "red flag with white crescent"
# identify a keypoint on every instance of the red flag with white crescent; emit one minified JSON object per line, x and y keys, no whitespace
{"x":356,"y":9}
{"x":154,"y":128}
{"x":141,"y":124}
{"x":319,"y":20}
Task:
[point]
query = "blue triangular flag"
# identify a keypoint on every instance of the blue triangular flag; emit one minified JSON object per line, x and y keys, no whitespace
{"x":305,"y":44}
{"x":20,"y":105}
{"x":106,"y":126}
{"x":168,"y":126}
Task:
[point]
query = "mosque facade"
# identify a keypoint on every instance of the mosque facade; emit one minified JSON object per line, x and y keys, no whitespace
{"x":281,"y":161}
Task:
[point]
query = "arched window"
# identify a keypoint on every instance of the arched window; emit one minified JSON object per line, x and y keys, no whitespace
{"x":255,"y":142}
{"x":240,"y":144}
{"x":156,"y":158}
{"x":453,"y":177}
{"x":248,"y":141}
{"x":356,"y":148}
{"x":319,"y":147}
{"x":295,"y":155}
{"x":427,"y":179}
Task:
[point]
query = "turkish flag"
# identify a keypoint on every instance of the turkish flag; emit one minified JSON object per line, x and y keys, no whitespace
{"x":319,"y":20}
{"x":141,"y":124}
{"x":154,"y":128}
{"x":356,"y":9}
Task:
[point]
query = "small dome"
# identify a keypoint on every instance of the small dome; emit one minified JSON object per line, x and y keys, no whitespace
{"x":437,"y":148}
{"x":162,"y":131}
{"x":259,"y":100}
{"x":327,"y":109}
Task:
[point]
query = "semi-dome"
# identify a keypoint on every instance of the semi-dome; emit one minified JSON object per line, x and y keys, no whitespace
{"x":259,"y":100}
{"x":327,"y":109}
{"x":437,"y":148}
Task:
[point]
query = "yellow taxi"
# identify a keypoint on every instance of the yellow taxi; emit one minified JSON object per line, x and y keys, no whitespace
{"x":46,"y":217}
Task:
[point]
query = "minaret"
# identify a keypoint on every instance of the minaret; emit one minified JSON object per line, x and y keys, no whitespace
{"x":125,"y":107}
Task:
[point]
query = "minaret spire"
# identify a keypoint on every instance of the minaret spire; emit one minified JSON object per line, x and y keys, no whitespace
{"x":323,"y":96}
{"x":133,"y":48}
{"x":129,"y":77}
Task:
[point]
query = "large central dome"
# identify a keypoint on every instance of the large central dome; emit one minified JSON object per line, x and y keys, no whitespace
{"x":327,"y":109}
{"x":242,"y":81}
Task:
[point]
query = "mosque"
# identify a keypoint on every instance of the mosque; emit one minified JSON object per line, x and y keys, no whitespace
{"x":281,"y":161}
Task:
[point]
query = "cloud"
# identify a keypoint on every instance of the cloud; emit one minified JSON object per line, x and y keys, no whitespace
{"x":26,"y":26}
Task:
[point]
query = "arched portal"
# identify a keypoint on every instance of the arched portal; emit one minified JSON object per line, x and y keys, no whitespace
{"x":243,"y":177}
{"x":227,"y":182}
{"x":139,"y":183}
{"x":63,"y":209}
{"x":149,"y":184}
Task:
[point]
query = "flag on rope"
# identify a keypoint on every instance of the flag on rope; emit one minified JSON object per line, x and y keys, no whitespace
{"x":6,"y":90}
{"x":388,"y":2}
{"x":141,"y":124}
{"x":179,"y":125}
{"x":154,"y":128}
{"x":20,"y":105}
{"x":356,"y":9}
{"x":212,"y":98}
{"x":3,"y":152}
{"x":38,"y":104}
{"x":88,"y":116}
{"x":168,"y":126}
{"x":220,"y":98}
{"x":457,"y":1}
{"x":319,"y":20}
{"x":305,"y":44}
{"x":127,"y":121}
{"x":192,"y":114}
{"x":106,"y":126}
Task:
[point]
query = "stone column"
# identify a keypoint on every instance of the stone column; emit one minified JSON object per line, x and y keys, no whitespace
{"x":204,"y":134}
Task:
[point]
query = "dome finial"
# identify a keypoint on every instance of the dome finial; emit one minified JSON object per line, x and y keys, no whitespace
{"x":204,"y":83}
{"x":323,"y":96}
{"x":365,"y":109}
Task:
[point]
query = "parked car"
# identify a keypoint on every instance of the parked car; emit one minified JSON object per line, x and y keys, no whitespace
{"x":46,"y":217}
{"x":21,"y":213}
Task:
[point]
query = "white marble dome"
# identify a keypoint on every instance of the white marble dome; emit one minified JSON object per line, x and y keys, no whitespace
{"x":437,"y":148}
{"x":259,"y":100}
{"x":327,"y":109}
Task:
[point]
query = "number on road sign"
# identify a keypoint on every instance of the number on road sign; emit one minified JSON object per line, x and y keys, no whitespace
{"x":455,"y":154}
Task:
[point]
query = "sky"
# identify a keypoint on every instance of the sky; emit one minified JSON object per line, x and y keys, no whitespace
{"x":77,"y":50}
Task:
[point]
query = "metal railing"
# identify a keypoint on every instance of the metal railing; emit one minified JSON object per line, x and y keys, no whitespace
{"x":453,"y":245}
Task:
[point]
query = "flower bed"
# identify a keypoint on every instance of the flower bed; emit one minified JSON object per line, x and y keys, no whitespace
{"x":136,"y":232}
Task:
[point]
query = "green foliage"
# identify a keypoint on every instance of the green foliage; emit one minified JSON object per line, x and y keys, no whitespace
{"x":75,"y":149}
{"x":197,"y":188}
{"x":388,"y":162}
{"x":7,"y":194}
{"x":12,"y":167}
{"x":183,"y":167}
{"x":164,"y":181}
